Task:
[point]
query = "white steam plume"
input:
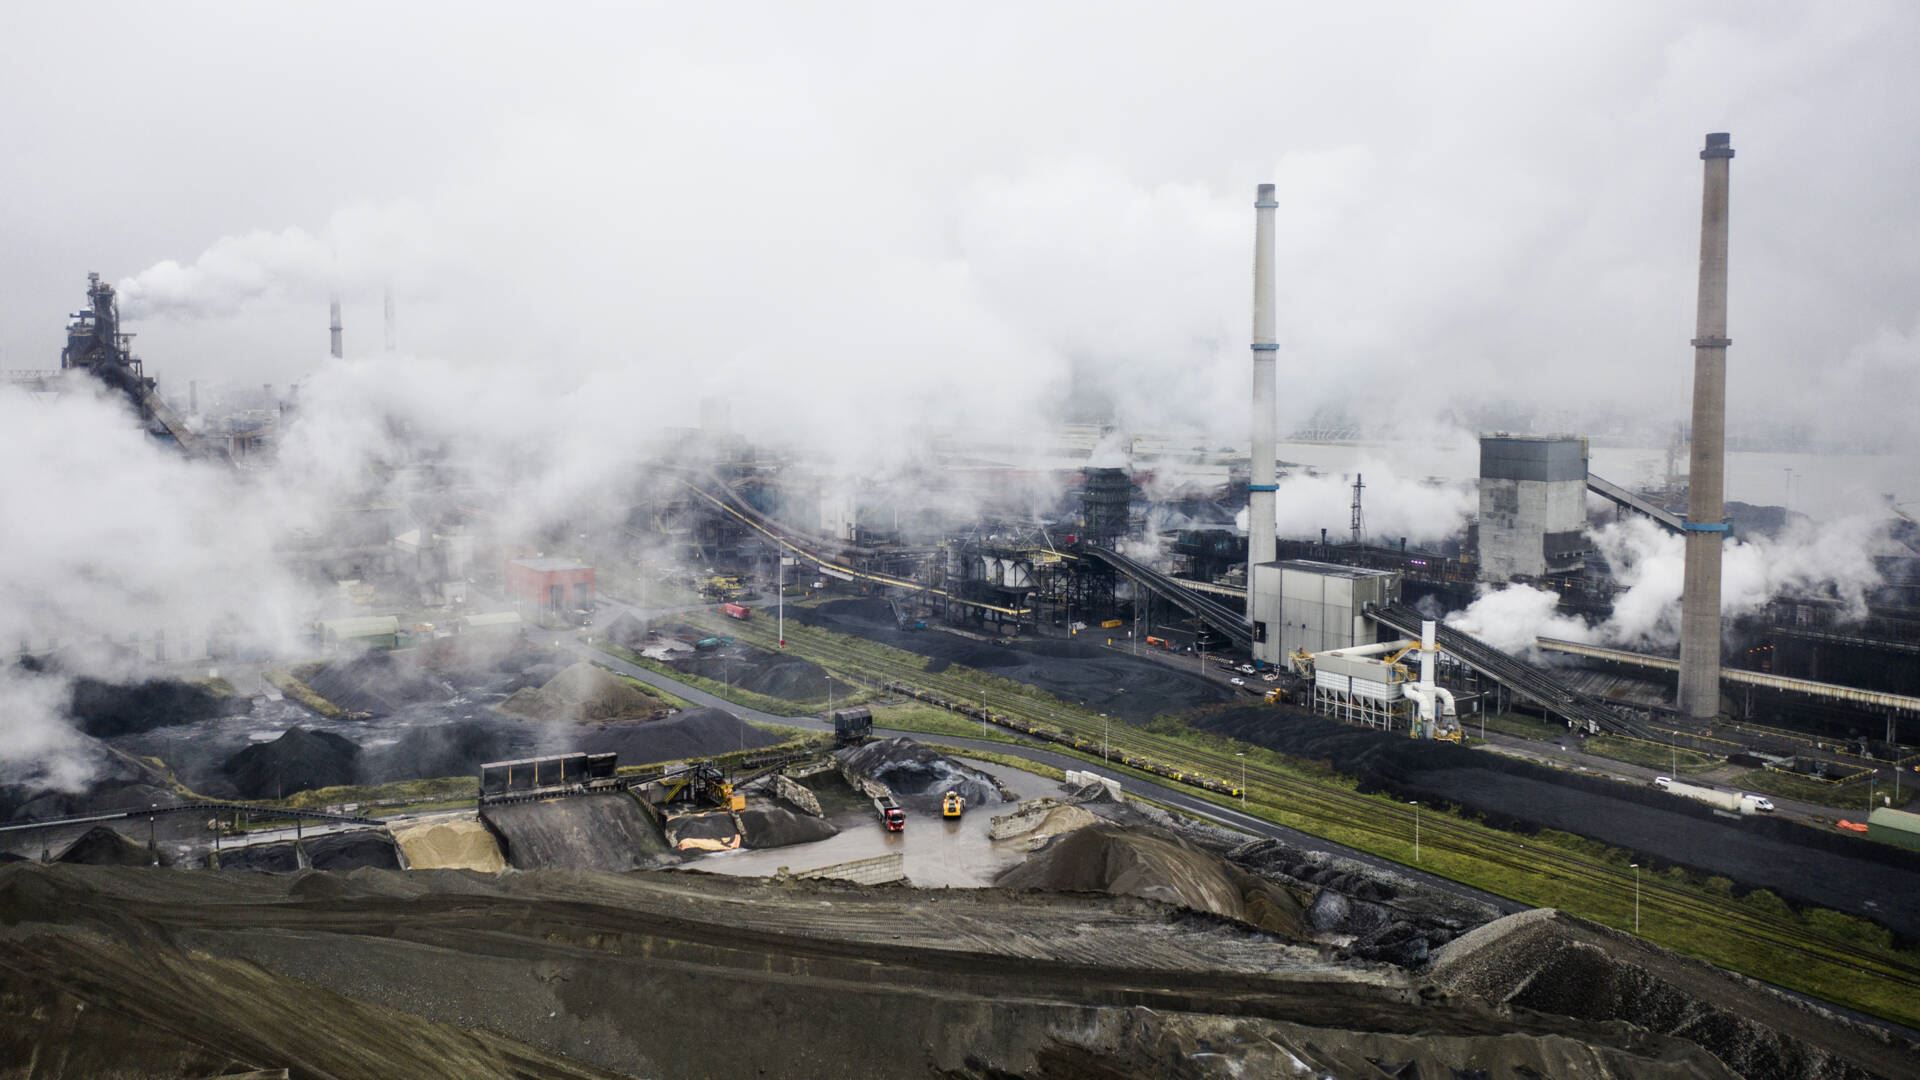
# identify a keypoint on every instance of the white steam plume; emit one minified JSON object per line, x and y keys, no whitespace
{"x":1392,"y":506}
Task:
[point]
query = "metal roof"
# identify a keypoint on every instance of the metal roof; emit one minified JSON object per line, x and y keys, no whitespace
{"x":1888,"y":818}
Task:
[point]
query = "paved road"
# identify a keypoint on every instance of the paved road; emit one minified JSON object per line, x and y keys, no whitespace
{"x":1568,"y":755}
{"x":1169,"y":796}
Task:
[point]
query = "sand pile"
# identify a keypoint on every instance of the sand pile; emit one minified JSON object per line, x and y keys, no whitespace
{"x":777,"y":826}
{"x":1037,"y":821}
{"x":351,"y":851}
{"x":714,"y":831}
{"x":1156,"y":865}
{"x":451,"y":845}
{"x":1546,"y":961}
{"x":101,"y":846}
{"x":584,"y":693}
{"x":689,"y":734}
{"x":589,"y":832}
{"x":296,"y":761}
{"x":912,"y":770}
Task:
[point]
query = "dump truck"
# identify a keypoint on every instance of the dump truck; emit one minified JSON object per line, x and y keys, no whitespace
{"x":894,"y":818}
{"x":852,"y":726}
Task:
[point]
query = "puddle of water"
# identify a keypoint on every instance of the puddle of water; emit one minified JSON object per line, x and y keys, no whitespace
{"x":934,"y":852}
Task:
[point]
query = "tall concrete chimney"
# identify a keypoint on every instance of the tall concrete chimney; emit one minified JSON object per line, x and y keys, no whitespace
{"x":1706,"y":486}
{"x":1260,"y":485}
{"x":193,"y":397}
{"x":334,"y":326}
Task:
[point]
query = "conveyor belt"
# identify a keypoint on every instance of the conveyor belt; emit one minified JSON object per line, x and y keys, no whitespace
{"x":1510,"y":671}
{"x":1231,"y":623}
{"x":1620,"y":496}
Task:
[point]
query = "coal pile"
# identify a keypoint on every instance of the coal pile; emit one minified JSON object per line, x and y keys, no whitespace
{"x":1798,"y":863}
{"x":351,"y":851}
{"x":689,"y":734}
{"x":104,"y":710}
{"x":101,"y":846}
{"x":455,"y":748}
{"x":1080,"y":670}
{"x":588,"y":832}
{"x":1156,"y":865}
{"x":777,"y":675}
{"x":101,"y":796}
{"x":280,"y":858}
{"x":376,"y":683}
{"x":776,"y":826}
{"x":911,"y":770}
{"x":299,"y":760}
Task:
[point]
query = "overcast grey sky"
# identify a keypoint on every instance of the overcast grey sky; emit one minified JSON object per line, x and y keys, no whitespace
{"x":892,"y":209}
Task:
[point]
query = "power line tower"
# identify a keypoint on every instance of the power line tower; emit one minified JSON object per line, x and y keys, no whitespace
{"x":1359,"y":528}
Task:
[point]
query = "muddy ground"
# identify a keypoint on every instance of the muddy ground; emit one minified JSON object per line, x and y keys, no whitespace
{"x":1849,"y":875}
{"x":650,"y":974}
{"x":774,"y":674}
{"x":1083,"y":671}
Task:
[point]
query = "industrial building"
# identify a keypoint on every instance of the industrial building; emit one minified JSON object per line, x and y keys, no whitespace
{"x":1302,"y":605}
{"x":549,"y":589}
{"x":1533,"y":506}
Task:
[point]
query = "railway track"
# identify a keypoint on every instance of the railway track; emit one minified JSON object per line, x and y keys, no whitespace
{"x":1036,"y":715}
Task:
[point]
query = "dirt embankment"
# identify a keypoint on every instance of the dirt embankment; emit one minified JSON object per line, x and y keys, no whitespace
{"x":1549,"y":962}
{"x":576,"y":974}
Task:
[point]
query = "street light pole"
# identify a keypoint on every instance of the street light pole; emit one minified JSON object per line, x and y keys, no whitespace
{"x":1416,"y":829}
{"x":1636,"y":897}
{"x":1242,"y":755}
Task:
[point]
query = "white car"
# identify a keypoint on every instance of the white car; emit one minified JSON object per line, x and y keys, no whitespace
{"x":1238,"y":682}
{"x":1663,"y":782}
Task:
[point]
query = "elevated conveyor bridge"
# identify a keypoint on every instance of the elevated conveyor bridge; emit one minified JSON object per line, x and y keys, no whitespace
{"x":1227,"y":621}
{"x":1620,"y":496}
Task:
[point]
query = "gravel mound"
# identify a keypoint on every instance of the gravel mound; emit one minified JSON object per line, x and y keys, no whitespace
{"x":104,"y":710}
{"x":299,"y":760}
{"x":101,"y":846}
{"x":281,"y":858}
{"x":911,"y":770}
{"x":714,"y":831}
{"x":584,"y":693}
{"x":1037,"y":821}
{"x":779,"y":675}
{"x":689,"y":734}
{"x":352,"y":851}
{"x":1156,"y":865}
{"x":451,"y":845}
{"x":589,"y":832}
{"x":776,"y":826}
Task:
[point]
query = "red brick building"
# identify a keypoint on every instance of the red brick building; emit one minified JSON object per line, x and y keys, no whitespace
{"x":550,"y":590}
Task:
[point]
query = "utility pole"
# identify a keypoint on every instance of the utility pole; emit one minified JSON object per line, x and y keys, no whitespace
{"x":1416,"y":829}
{"x":1242,"y":755}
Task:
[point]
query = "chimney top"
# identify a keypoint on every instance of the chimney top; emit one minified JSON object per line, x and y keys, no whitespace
{"x":1719,"y":145}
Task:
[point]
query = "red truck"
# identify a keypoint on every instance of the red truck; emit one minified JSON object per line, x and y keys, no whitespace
{"x":894,"y":818}
{"x":735,"y":611}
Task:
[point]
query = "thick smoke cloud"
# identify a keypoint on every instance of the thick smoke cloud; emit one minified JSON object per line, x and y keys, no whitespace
{"x":1392,"y":506}
{"x":1834,"y":560}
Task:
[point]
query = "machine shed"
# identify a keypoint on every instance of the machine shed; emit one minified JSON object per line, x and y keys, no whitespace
{"x":1898,"y":827}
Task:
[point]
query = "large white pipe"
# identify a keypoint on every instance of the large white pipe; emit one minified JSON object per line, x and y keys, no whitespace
{"x":1426,"y":653}
{"x":1260,"y":485}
